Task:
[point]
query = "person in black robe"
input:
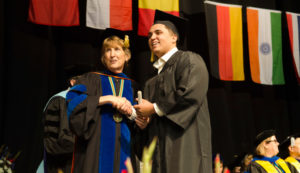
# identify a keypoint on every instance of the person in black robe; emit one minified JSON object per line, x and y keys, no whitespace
{"x":101,"y":114}
{"x":58,"y":139}
{"x":265,"y":159}
{"x":291,"y":147}
{"x":175,"y":100}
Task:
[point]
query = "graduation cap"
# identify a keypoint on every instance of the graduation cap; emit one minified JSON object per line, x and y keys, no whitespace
{"x":263,"y":135}
{"x":177,"y":24}
{"x":289,"y":141}
{"x":113,"y":32}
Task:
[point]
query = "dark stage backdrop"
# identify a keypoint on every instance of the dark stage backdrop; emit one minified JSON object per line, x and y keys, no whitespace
{"x":33,"y":58}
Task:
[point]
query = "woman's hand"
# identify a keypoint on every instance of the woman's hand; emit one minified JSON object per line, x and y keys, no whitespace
{"x":120,"y":103}
{"x":123,"y":106}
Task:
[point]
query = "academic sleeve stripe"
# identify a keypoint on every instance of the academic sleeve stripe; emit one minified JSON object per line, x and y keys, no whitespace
{"x":75,"y":96}
{"x":74,"y":102}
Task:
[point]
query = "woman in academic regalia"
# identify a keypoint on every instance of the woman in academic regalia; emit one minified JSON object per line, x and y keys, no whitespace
{"x":101,"y":115}
{"x":265,"y":160}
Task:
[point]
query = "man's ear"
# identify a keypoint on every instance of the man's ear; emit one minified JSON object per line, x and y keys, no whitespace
{"x":175,"y":38}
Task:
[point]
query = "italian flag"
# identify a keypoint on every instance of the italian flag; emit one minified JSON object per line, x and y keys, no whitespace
{"x":293,"y":21}
{"x":147,"y":12}
{"x":225,"y":38}
{"x":265,"y":46}
{"x":116,"y":14}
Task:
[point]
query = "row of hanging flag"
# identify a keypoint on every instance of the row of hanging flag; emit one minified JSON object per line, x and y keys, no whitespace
{"x":225,"y":37}
{"x":100,"y":14}
{"x":224,"y":29}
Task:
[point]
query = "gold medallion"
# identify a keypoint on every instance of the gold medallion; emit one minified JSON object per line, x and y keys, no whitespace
{"x":117,"y":117}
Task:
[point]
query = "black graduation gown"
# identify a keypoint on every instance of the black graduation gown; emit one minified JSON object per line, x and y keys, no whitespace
{"x":184,"y":133}
{"x":58,"y":139}
{"x":85,"y":122}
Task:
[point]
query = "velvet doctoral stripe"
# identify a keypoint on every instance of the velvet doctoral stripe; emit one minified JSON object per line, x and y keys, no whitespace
{"x":76,"y":95}
{"x":108,"y":128}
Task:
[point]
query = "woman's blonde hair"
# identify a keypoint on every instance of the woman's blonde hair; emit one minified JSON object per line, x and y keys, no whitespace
{"x":260,"y":149}
{"x":115,"y":40}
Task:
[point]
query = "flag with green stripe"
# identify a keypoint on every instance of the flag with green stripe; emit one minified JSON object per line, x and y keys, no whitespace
{"x":265,"y":46}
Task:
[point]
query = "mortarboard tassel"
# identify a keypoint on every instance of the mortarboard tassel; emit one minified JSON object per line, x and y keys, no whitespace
{"x":152,"y":59}
{"x":126,"y":41}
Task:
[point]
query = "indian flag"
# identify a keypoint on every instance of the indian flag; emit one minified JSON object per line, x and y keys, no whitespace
{"x":225,"y":38}
{"x":116,"y":14}
{"x":265,"y":46}
{"x":147,"y":12}
{"x":293,"y":21}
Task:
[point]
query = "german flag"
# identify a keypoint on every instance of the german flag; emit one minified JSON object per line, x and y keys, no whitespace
{"x":225,"y":38}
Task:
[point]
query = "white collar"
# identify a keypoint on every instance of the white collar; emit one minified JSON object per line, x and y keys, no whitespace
{"x":160,"y":63}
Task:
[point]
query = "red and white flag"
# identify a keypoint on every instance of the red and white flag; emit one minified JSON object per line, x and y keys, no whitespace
{"x":116,"y":14}
{"x":293,"y":21}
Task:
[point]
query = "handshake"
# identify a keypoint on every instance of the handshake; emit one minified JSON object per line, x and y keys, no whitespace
{"x":139,"y":113}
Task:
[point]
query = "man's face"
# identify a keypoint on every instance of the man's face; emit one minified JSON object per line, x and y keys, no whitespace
{"x":161,"y":40}
{"x":295,"y":150}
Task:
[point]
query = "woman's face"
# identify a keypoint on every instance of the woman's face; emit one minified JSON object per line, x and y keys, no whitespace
{"x":114,"y":58}
{"x":271,"y":146}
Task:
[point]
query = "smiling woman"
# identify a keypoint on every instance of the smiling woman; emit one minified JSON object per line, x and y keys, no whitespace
{"x":101,"y":114}
{"x":115,"y":53}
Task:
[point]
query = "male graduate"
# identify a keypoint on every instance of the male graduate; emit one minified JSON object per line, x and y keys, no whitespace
{"x":292,"y":145}
{"x":175,"y":100}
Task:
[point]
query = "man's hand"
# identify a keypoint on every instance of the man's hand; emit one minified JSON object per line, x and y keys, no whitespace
{"x":142,"y":122}
{"x":144,"y":109}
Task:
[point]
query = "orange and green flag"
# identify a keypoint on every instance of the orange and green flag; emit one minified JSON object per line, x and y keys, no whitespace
{"x":147,"y":11}
{"x":265,"y":46}
{"x":225,"y":39}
